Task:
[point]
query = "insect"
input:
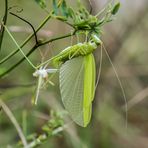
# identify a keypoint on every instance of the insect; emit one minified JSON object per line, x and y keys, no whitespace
{"x":79,"y":108}
{"x":77,"y":76}
{"x":80,"y":49}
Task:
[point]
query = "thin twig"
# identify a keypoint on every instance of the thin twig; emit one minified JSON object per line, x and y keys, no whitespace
{"x":31,"y":51}
{"x":29,"y":37}
{"x":35,"y":35}
{"x":10,"y":86}
{"x":15,"y":123}
{"x":4,"y":21}
{"x":27,"y":40}
{"x":38,"y":141}
{"x":19,"y":47}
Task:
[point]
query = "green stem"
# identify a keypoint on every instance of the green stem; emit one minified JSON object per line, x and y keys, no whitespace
{"x":31,"y":51}
{"x":15,"y":123}
{"x":4,"y":21}
{"x":19,"y":47}
{"x":18,"y":63}
{"x":43,"y":137}
{"x":36,"y":39}
{"x":57,"y":38}
{"x":26,"y":41}
{"x":29,"y":37}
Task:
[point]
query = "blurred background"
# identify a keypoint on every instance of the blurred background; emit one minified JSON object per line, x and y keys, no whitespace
{"x":125,"y":39}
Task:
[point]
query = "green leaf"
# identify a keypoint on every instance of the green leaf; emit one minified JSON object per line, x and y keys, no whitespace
{"x":41,"y":3}
{"x":55,"y":6}
{"x":46,"y":128}
{"x":64,"y":8}
{"x":63,"y":18}
{"x":2,"y":70}
{"x":71,"y":12}
{"x":115,"y":8}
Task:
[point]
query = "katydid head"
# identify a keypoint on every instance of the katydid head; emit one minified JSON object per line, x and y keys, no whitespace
{"x":96,"y":39}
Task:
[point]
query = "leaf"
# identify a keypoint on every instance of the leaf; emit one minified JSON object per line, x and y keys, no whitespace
{"x":2,"y":70}
{"x":115,"y":8}
{"x":41,"y":3}
{"x":62,"y":18}
{"x":55,"y":6}
{"x":71,"y":12}
{"x":64,"y":8}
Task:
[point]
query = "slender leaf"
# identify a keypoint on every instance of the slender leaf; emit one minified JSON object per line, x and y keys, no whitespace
{"x":55,"y":7}
{"x":64,"y":8}
{"x":71,"y":12}
{"x":115,"y":9}
{"x":41,"y":3}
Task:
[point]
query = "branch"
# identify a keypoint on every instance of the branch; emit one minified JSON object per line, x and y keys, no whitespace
{"x":32,"y":50}
{"x":4,"y":21}
{"x":26,"y":41}
{"x":35,"y":35}
{"x":15,"y":123}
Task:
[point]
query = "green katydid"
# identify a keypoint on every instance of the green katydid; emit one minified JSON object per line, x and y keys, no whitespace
{"x":77,"y":89}
{"x":77,"y":76}
{"x":78,"y":56}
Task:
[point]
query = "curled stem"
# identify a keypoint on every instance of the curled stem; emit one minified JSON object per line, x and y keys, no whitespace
{"x":36,"y":39}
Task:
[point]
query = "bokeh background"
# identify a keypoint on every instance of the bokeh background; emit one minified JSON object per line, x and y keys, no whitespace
{"x":125,"y":40}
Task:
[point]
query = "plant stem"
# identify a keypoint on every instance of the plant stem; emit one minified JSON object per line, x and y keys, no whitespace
{"x":29,"y":37}
{"x":15,"y":123}
{"x":4,"y":21}
{"x":18,"y":63}
{"x":36,"y":39}
{"x":40,"y":139}
{"x":19,"y":47}
{"x":31,"y":51}
{"x":57,"y":38}
{"x":26,"y":41}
